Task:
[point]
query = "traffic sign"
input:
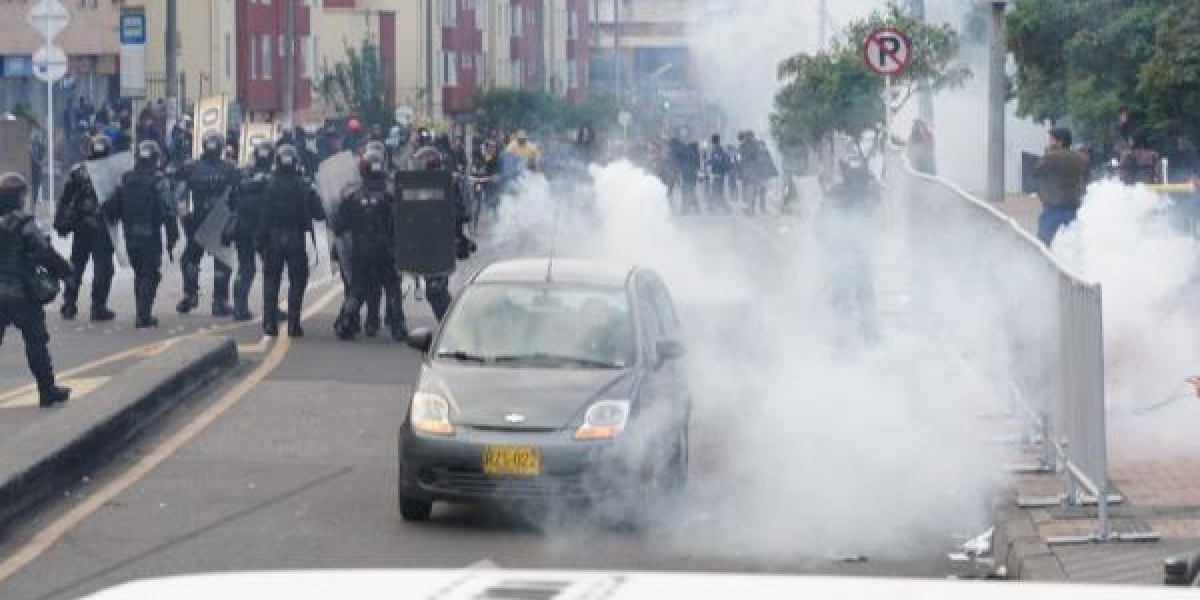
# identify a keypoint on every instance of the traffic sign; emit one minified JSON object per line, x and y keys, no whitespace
{"x":49,"y":63}
{"x":48,"y":18}
{"x":624,"y":118}
{"x":887,"y":51}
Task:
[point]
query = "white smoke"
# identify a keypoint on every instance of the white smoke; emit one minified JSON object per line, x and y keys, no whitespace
{"x":1133,"y":242}
{"x":801,"y":445}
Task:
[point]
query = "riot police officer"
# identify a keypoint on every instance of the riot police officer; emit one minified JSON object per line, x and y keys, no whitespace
{"x":289,"y":207}
{"x":142,"y":203}
{"x":365,"y":214}
{"x":23,"y":247}
{"x":79,"y":214}
{"x":437,"y":287}
{"x":210,"y":180}
{"x":247,"y":202}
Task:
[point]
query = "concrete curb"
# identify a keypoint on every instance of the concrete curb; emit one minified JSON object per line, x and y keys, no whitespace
{"x":52,"y":453}
{"x":1019,"y":548}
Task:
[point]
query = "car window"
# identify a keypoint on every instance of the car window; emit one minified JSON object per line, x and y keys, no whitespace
{"x":665,"y":309}
{"x":540,"y":325}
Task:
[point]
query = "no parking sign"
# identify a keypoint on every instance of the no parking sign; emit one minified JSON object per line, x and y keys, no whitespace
{"x":887,"y":51}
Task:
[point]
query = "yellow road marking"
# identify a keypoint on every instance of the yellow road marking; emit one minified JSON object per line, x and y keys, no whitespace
{"x":55,"y":530}
{"x":144,"y":351}
{"x":80,"y":387}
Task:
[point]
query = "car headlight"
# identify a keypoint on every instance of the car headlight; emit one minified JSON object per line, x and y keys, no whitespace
{"x":430,"y":413}
{"x":604,"y":420}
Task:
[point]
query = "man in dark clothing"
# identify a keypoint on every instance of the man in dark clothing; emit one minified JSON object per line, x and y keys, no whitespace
{"x":142,"y":203}
{"x":290,"y":205}
{"x":181,"y":141}
{"x":365,"y":214}
{"x":719,"y":167}
{"x":79,"y":214}
{"x":757,"y":169}
{"x":1122,"y":133}
{"x":1141,"y":164}
{"x":687,"y":158}
{"x":1062,"y":178}
{"x":210,"y":181}
{"x":247,"y":201}
{"x":23,"y":248}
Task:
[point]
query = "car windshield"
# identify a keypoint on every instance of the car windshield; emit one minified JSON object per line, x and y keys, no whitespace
{"x":541,"y":325}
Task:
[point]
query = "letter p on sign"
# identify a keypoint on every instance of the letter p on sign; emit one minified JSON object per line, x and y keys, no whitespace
{"x":887,"y":51}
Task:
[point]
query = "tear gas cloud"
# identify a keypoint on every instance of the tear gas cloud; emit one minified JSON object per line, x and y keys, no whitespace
{"x":802,"y":444}
{"x":1131,"y":241}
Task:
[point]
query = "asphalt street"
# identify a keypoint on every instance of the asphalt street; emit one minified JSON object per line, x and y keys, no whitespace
{"x":299,"y":471}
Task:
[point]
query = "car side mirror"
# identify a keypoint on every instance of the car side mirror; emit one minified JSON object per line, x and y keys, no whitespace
{"x":669,"y":350}
{"x":420,"y":338}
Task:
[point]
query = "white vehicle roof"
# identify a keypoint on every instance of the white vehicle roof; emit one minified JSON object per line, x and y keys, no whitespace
{"x":565,"y":585}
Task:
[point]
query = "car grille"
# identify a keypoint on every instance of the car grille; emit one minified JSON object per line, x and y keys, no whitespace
{"x":475,"y":483}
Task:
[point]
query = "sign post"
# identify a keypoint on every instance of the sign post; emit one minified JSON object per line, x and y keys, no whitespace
{"x":887,"y":52}
{"x":49,"y":18}
{"x":133,"y":52}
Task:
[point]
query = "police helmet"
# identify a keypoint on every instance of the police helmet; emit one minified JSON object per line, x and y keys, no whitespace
{"x":212,"y":144}
{"x":287,"y":159}
{"x":148,"y":154}
{"x":101,"y":146}
{"x":428,"y":159}
{"x":264,"y":154}
{"x":13,"y":188}
{"x":374,"y":160}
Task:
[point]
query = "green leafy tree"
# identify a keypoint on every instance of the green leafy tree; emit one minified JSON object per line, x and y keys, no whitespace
{"x":356,"y":85}
{"x":538,"y":111}
{"x":835,"y":93}
{"x":1169,"y":83}
{"x":1081,"y":60}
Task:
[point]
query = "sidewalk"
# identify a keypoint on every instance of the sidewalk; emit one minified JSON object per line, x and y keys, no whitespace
{"x":1160,"y":489}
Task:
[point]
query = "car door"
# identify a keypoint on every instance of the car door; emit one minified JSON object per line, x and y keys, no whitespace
{"x":658,"y":389}
{"x":673,"y":373}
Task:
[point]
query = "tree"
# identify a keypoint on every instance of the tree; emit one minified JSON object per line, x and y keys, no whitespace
{"x":834,"y":93}
{"x":1083,"y":59}
{"x":357,"y":85}
{"x":536,"y":110}
{"x":1169,"y":83}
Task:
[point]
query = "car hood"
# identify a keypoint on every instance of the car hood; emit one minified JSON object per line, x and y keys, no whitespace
{"x":544,"y":398}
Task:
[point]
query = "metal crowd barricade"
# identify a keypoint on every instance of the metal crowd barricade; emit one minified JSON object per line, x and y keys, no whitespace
{"x":1017,"y":296}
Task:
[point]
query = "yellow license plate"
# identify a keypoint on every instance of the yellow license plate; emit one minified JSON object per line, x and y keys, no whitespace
{"x":512,"y":460}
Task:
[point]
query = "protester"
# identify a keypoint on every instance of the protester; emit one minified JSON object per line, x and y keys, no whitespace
{"x":1062,"y":177}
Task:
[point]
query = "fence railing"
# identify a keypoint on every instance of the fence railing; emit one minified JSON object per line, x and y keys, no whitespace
{"x":999,"y":288}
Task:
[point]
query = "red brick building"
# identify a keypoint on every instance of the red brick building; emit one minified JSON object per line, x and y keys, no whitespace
{"x":260,"y":57}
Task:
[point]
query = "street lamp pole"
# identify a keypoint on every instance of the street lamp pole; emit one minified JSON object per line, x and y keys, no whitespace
{"x":617,"y":50}
{"x":924,"y":93}
{"x":997,"y":86}
{"x":171,"y":42}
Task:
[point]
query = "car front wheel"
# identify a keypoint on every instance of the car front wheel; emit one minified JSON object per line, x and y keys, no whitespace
{"x":415,"y":510}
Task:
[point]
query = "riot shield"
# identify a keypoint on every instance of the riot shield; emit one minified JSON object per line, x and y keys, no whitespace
{"x":106,"y":174}
{"x":254,"y":134}
{"x":335,"y":176}
{"x":210,"y":232}
{"x":15,"y":154}
{"x":425,"y":217}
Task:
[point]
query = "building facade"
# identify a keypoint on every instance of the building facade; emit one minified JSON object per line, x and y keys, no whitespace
{"x":653,"y":42}
{"x":89,"y":40}
{"x":262,"y":55}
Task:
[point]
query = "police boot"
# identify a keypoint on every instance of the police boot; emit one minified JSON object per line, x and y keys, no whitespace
{"x":221,"y":308}
{"x":241,"y":302}
{"x":294,"y":328}
{"x":371,"y":325}
{"x":144,"y":300}
{"x":102,"y":314}
{"x":191,"y":283}
{"x":345,"y":326}
{"x":51,"y":395}
{"x":68,"y":310}
{"x":270,"y":324}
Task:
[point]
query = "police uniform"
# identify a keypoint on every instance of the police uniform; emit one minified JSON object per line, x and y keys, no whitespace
{"x":142,"y":203}
{"x":210,"y":180}
{"x":247,"y":205}
{"x":290,"y":204}
{"x":366,"y":216}
{"x":23,"y":246}
{"x":79,"y":214}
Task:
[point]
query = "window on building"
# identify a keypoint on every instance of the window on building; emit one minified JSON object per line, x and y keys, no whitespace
{"x":517,"y":20}
{"x":479,"y":16}
{"x":572,"y":25}
{"x":450,"y":68}
{"x":253,"y":62}
{"x":572,"y":73}
{"x":468,"y":61}
{"x":266,"y":47}
{"x":449,"y":13}
{"x":310,"y":64}
{"x":518,"y":72}
{"x":228,"y":56}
